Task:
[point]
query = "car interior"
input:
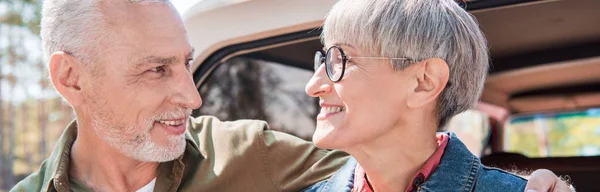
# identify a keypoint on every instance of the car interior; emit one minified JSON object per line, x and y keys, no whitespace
{"x":545,"y":58}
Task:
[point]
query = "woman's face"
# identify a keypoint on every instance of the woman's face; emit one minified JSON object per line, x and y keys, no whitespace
{"x":364,"y":105}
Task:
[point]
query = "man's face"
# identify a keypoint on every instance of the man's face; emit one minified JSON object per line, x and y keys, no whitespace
{"x":143,"y":91}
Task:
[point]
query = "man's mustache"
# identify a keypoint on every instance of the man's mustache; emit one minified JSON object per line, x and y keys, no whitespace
{"x":179,"y":113}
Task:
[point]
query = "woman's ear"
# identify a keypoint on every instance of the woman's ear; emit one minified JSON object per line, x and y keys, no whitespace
{"x":64,"y":72}
{"x":431,"y":76}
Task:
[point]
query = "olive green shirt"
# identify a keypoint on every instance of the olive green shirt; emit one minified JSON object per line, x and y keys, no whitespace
{"x":219,"y":156}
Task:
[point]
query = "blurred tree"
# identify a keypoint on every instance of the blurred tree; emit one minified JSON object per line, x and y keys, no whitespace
{"x":17,"y":17}
{"x":2,"y":120}
{"x":12,"y":81}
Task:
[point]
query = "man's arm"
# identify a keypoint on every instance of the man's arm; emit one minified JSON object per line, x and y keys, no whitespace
{"x":33,"y":182}
{"x":293,"y":164}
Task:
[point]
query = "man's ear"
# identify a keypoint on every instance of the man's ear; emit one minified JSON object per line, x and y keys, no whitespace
{"x":65,"y":71}
{"x":431,"y":76}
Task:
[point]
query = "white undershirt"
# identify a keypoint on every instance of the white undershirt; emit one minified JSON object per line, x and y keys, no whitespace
{"x":148,"y":187}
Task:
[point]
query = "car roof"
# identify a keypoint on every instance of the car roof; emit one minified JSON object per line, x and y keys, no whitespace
{"x":245,"y":21}
{"x":513,"y":29}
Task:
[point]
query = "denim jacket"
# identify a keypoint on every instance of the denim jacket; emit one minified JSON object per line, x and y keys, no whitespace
{"x":459,"y":170}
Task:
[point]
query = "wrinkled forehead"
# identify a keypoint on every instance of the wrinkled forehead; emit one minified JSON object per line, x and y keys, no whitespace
{"x":144,"y":18}
{"x":146,"y":29}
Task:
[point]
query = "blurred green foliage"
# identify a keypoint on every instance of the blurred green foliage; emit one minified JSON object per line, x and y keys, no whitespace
{"x":554,"y":135}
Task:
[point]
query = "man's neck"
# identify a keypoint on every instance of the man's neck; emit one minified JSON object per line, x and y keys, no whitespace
{"x":392,"y":160}
{"x":103,"y":168}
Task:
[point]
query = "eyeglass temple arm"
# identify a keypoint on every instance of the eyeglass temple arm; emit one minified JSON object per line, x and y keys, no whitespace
{"x":392,"y":58}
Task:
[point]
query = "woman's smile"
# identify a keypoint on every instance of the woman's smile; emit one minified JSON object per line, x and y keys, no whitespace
{"x":329,"y":110}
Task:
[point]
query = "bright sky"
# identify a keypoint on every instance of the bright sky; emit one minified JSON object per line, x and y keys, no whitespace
{"x":183,"y":5}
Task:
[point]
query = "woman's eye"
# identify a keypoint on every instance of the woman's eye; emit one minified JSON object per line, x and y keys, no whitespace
{"x":349,"y":60}
{"x":158,"y":69}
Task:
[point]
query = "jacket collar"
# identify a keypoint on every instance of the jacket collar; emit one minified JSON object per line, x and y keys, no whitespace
{"x":457,"y":169}
{"x":342,"y":180}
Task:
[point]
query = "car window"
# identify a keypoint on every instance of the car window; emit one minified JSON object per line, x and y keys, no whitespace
{"x":561,"y":134}
{"x":472,"y":127}
{"x":248,"y":88}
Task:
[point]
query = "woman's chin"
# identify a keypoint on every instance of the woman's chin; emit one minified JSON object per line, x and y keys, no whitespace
{"x":319,"y":142}
{"x":326,"y":140}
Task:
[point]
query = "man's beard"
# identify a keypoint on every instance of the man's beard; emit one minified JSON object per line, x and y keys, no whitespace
{"x":136,"y":142}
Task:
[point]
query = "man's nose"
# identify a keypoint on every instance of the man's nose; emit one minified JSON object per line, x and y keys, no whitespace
{"x":185,"y":92}
{"x":319,"y":83}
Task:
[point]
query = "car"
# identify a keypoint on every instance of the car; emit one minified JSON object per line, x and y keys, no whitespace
{"x":539,"y":107}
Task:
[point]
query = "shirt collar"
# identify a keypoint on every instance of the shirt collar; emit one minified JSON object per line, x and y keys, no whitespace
{"x":59,"y":160}
{"x":459,"y":163}
{"x":431,"y":163}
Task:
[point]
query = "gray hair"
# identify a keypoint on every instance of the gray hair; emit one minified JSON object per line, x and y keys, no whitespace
{"x":418,"y":29}
{"x":77,"y":27}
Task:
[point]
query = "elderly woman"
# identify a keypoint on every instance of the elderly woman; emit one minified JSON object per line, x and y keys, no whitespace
{"x":393,"y":72}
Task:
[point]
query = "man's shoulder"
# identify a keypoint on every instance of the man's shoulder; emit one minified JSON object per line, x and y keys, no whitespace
{"x":33,"y":182}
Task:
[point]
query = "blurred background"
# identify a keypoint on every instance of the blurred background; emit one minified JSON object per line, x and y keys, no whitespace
{"x":32,"y":116}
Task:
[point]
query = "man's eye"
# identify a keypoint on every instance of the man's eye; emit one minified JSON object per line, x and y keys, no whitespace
{"x":158,"y":69}
{"x":188,"y":63}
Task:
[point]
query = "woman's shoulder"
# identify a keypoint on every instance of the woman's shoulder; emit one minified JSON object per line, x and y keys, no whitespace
{"x":459,"y":169}
{"x":494,"y":179}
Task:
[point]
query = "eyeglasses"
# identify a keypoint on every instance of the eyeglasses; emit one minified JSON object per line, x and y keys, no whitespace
{"x":335,"y":62}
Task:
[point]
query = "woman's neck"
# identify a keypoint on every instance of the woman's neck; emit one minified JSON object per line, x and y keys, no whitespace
{"x":391,"y":160}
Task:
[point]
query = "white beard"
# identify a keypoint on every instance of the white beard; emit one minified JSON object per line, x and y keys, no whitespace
{"x":150,"y":151}
{"x":136,"y":142}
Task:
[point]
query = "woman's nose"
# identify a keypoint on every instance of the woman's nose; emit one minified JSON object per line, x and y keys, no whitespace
{"x":319,"y":84}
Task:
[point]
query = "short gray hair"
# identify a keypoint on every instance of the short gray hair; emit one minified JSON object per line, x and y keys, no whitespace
{"x":77,"y":27}
{"x":418,"y":29}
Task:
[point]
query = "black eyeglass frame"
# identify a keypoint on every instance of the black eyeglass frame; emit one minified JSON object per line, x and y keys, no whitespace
{"x":321,"y":59}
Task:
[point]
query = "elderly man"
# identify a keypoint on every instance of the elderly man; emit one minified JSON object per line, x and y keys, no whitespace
{"x":124,"y":67}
